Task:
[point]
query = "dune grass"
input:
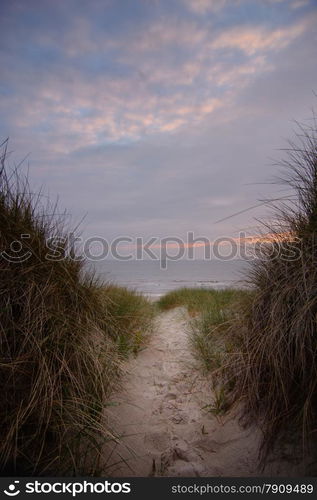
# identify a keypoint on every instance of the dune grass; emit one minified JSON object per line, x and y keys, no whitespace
{"x":61,"y":338}
{"x":276,"y":373}
{"x":198,"y":300}
{"x":129,"y":317}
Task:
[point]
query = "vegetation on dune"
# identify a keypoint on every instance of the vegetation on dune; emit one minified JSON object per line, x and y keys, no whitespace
{"x":213,"y":336}
{"x":59,"y":342}
{"x":276,"y":373}
{"x":198,"y":300}
{"x":129,"y":317}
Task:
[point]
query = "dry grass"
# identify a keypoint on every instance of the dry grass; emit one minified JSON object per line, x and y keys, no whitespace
{"x":276,"y":374}
{"x":58,"y":357}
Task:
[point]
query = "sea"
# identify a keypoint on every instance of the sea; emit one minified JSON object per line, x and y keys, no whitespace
{"x":154,"y":278}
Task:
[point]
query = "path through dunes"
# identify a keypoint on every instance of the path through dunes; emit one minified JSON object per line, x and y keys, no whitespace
{"x":159,"y":412}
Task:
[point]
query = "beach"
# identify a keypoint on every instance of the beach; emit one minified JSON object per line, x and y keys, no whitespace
{"x":151,"y":279}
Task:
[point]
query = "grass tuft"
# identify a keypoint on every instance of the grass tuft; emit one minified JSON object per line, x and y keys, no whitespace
{"x":129,"y":317}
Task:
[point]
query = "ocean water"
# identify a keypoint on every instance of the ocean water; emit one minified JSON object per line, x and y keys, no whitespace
{"x":148,"y":277}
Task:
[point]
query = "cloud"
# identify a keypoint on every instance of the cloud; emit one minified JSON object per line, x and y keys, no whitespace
{"x":252,"y":40}
{"x":298,"y":4}
{"x":154,"y":119}
{"x":81,"y":85}
{"x":204,"y":6}
{"x":175,"y":32}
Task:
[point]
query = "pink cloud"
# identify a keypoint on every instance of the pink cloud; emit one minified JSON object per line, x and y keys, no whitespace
{"x":252,"y":40}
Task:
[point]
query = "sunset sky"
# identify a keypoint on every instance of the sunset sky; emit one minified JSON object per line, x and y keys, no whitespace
{"x":156,"y":117}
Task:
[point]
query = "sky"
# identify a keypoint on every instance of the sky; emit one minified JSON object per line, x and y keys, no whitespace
{"x":156,"y":117}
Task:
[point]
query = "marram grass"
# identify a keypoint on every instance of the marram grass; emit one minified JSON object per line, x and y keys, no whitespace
{"x":60,"y":354}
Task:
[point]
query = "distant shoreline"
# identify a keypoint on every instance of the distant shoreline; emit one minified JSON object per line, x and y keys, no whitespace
{"x":148,"y":278}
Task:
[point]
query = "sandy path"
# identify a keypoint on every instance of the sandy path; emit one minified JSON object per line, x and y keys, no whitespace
{"x":160,"y":415}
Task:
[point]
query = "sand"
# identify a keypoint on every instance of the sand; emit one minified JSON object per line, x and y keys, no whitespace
{"x":160,"y":417}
